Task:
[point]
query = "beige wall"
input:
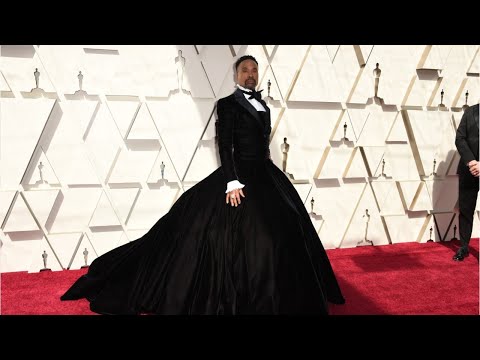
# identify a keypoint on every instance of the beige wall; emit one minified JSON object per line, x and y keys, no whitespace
{"x":101,"y":146}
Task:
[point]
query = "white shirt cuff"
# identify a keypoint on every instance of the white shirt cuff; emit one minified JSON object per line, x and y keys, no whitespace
{"x":234,"y":184}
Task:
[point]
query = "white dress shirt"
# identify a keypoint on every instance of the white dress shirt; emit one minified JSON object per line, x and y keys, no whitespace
{"x":235,"y":184}
{"x":256,"y":104}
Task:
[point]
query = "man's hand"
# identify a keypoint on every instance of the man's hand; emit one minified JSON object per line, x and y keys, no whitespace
{"x":474,"y":167}
{"x":234,"y":197}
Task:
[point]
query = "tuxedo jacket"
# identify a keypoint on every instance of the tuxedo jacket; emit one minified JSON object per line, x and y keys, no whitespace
{"x":243,"y":132}
{"x":467,"y":139}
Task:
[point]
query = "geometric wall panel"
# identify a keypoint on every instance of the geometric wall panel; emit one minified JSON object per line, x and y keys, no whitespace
{"x":440,"y":147}
{"x":344,"y":126}
{"x":365,"y":51}
{"x":454,"y":164}
{"x":73,"y":209}
{"x":123,"y":112}
{"x":122,"y":240}
{"x":373,"y":159}
{"x":286,"y":65}
{"x":319,"y":80}
{"x":86,"y":247}
{"x":423,"y":199}
{"x":86,"y":166}
{"x":410,"y":192}
{"x":64,"y":246}
{"x":143,"y":126}
{"x":455,"y":70}
{"x":274,"y":90}
{"x":406,"y":228}
{"x":18,"y":66}
{"x":72,"y":165}
{"x":397,"y":132}
{"x":217,"y":61}
{"x":154,"y":68}
{"x":169,"y":174}
{"x":388,"y":197}
{"x":336,"y":206}
{"x":476,"y":225}
{"x":303,"y":191}
{"x":452,"y":231}
{"x":104,"y":214}
{"x":136,"y":234}
{"x":40,"y":173}
{"x":23,"y":252}
{"x":21,"y":123}
{"x":472,"y":85}
{"x":365,"y":226}
{"x":6,"y":198}
{"x":105,"y":240}
{"x":3,"y":84}
{"x":429,"y":231}
{"x":307,"y":132}
{"x":204,"y":162}
{"x":474,"y":68}
{"x":194,"y":78}
{"x":20,"y":218}
{"x":422,"y":90}
{"x":358,"y":117}
{"x":356,"y":166}
{"x":37,"y":259}
{"x":102,"y":153}
{"x":442,"y":222}
{"x":151,"y":206}
{"x":398,"y":65}
{"x":132,"y":166}
{"x":444,"y":193}
{"x":75,"y":119}
{"x":335,"y":163}
{"x":436,"y":57}
{"x":400,"y":162}
{"x":42,"y":203}
{"x":123,"y":200}
{"x":376,"y":127}
{"x":181,"y":122}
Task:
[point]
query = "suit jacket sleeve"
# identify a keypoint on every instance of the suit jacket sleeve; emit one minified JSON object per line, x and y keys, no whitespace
{"x":461,"y":140}
{"x":225,"y":140}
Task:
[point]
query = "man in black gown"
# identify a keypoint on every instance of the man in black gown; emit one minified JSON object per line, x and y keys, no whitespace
{"x":248,"y":249}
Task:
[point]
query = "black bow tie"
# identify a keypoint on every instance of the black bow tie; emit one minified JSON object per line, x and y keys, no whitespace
{"x":253,"y":94}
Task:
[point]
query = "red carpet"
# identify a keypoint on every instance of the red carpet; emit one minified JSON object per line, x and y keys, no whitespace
{"x":399,"y":279}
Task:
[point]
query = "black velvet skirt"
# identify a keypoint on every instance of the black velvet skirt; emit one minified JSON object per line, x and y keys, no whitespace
{"x":206,"y":257}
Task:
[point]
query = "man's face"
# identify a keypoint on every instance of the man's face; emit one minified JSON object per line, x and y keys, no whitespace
{"x":247,"y":74}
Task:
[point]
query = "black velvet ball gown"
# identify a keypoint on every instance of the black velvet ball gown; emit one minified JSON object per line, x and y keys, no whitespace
{"x":207,"y":257}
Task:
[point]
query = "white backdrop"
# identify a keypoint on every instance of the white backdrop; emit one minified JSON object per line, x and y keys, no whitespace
{"x":81,"y":157}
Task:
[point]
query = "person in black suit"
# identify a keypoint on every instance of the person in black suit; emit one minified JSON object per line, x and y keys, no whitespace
{"x":248,"y":249}
{"x":468,"y":170}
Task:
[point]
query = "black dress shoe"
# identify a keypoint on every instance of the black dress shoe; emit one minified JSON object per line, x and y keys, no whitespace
{"x":460,"y":254}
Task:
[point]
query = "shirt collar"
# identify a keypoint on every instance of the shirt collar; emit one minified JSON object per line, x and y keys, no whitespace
{"x":242,"y":88}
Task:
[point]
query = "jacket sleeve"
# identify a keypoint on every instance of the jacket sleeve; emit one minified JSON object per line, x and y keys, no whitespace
{"x":461,"y":140}
{"x":225,"y":140}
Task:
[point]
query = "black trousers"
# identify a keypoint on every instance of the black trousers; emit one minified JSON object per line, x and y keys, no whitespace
{"x":467,"y":201}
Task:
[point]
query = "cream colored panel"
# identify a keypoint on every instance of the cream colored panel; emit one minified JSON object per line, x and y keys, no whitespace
{"x":366,"y":227}
{"x":65,"y":246}
{"x":307,"y":132}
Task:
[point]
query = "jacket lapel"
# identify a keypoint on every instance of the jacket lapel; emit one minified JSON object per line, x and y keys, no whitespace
{"x":475,"y":115}
{"x":268,"y":121}
{"x":246,"y":104}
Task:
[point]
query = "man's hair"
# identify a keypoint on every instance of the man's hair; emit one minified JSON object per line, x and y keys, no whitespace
{"x":243,"y":58}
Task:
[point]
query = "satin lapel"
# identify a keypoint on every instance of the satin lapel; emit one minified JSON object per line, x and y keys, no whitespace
{"x":267,"y":124}
{"x":475,"y":116}
{"x":249,"y":107}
